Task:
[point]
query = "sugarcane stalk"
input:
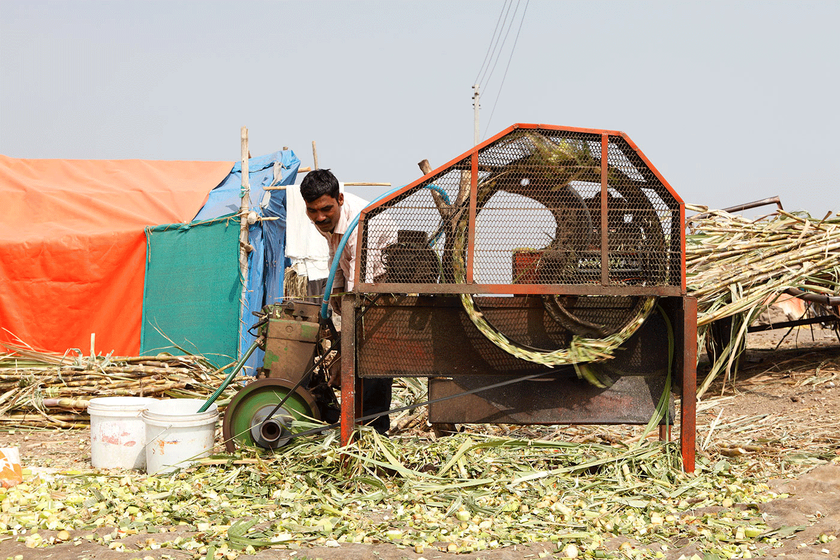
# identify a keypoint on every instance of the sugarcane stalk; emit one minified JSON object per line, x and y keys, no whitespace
{"x":738,"y":267}
{"x":32,"y":389}
{"x":66,"y":402}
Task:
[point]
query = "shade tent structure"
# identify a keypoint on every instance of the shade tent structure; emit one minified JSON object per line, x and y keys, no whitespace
{"x":203,"y":311}
{"x":74,"y":242}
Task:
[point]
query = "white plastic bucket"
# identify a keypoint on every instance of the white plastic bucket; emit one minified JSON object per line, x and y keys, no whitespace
{"x":177,"y":434}
{"x":117,"y":432}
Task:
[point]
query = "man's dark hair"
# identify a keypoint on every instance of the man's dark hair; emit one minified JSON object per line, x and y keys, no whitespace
{"x":318,"y":183}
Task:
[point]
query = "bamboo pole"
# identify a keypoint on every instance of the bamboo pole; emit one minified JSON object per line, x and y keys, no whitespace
{"x":244,"y":207}
{"x":443,"y":208}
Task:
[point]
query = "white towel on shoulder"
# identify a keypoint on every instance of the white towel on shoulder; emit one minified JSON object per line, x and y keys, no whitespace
{"x":306,"y":248}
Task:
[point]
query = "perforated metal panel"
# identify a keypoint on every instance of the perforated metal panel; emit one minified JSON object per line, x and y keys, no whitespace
{"x":411,"y":336}
{"x":530,"y":211}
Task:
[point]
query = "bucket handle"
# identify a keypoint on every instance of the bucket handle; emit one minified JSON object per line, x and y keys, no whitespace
{"x":166,"y":429}
{"x":196,"y":456}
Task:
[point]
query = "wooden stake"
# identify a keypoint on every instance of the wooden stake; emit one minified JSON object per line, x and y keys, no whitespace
{"x":442,"y":207}
{"x":314,"y":155}
{"x":244,"y":206}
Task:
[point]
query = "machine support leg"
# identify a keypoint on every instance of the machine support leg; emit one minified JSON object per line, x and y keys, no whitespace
{"x":688,"y":395}
{"x":348,"y":368}
{"x":664,"y":432}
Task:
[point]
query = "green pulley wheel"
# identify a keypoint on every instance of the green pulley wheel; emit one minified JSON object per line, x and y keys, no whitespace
{"x":244,"y":424}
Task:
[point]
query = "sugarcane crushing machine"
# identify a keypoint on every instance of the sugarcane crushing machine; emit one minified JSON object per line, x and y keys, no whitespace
{"x":538,"y":278}
{"x":548,"y":251}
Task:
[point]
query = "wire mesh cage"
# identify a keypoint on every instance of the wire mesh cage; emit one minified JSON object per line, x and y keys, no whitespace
{"x":545,"y":252}
{"x":536,"y":209}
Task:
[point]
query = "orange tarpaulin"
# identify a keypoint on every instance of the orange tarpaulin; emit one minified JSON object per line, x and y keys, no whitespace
{"x":73,"y":248}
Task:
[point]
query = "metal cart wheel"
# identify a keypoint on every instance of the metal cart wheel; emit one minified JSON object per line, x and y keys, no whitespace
{"x":244,"y":423}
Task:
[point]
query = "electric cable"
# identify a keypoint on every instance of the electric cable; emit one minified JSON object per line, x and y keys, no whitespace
{"x":506,"y":10}
{"x":502,"y":46}
{"x":492,"y":39}
{"x":516,"y":39}
{"x":375,"y":415}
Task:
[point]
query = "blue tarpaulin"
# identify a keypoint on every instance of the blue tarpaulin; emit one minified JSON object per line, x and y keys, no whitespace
{"x":266,"y":263}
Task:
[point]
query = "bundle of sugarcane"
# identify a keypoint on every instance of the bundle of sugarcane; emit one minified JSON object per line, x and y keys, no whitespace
{"x":294,"y":285}
{"x":46,"y":389}
{"x":737,"y":268}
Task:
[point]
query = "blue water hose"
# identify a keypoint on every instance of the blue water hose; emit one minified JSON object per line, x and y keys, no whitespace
{"x":325,"y":307}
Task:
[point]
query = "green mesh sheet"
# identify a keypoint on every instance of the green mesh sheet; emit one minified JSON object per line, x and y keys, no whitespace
{"x":192,"y":292}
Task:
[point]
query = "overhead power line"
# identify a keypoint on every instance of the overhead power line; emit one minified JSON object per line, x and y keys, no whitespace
{"x":490,"y":46}
{"x":497,"y":43}
{"x":504,"y":76}
{"x":502,"y":44}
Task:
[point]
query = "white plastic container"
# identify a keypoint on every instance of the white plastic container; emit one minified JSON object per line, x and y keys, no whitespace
{"x":11,"y":473}
{"x":117,"y":432}
{"x":177,"y":434}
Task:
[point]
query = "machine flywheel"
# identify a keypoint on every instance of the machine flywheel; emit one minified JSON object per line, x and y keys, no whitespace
{"x":244,"y":423}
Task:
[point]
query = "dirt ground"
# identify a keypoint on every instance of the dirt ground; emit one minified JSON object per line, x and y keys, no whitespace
{"x":786,"y":399}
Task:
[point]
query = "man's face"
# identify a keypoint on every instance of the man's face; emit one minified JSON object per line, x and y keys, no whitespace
{"x":324,"y":212}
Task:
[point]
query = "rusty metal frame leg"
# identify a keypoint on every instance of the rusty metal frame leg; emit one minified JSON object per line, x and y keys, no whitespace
{"x":348,"y":368}
{"x":688,"y":395}
{"x":664,"y":432}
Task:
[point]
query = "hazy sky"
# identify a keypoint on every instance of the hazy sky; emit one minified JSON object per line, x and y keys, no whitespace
{"x":731,"y":101}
